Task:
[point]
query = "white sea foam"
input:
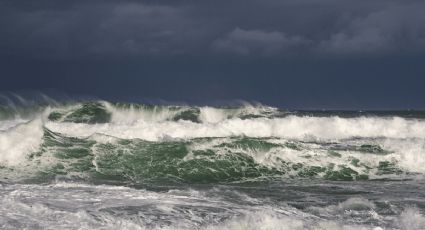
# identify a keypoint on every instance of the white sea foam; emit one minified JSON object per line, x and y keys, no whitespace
{"x":133,"y":115}
{"x":411,"y":219}
{"x":7,"y":124}
{"x":409,"y":153}
{"x":212,"y":115}
{"x":20,"y":140}
{"x":71,"y":205}
{"x":215,"y":115}
{"x":328,"y":128}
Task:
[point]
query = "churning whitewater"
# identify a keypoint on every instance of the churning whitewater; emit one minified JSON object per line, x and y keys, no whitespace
{"x":132,"y":166}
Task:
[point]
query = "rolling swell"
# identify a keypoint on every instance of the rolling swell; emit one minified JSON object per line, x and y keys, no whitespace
{"x":203,"y":160}
{"x":130,"y":143}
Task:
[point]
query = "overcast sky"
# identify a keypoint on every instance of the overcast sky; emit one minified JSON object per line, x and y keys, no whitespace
{"x":334,"y":54}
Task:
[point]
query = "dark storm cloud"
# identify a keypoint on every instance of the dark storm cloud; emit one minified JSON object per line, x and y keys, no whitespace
{"x":290,"y":53}
{"x":246,"y":42}
{"x":88,"y":29}
{"x":392,"y":29}
{"x":247,"y":28}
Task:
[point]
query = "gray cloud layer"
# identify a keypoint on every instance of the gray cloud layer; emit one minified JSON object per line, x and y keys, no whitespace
{"x":258,"y":42}
{"x":246,"y":28}
{"x":393,"y":29}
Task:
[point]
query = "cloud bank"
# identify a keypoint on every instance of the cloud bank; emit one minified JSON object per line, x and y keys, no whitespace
{"x":247,"y":28}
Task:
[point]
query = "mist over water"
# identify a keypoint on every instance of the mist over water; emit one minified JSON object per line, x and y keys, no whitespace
{"x":97,"y":164}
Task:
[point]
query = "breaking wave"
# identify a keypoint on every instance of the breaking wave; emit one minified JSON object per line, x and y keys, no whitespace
{"x":138,"y":143}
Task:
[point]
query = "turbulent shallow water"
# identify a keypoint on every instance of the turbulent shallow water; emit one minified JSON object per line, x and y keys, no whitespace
{"x":100,"y":165}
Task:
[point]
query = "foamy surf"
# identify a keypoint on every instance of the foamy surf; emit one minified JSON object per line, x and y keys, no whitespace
{"x":73,"y":205}
{"x":20,"y":139}
{"x":132,"y":166}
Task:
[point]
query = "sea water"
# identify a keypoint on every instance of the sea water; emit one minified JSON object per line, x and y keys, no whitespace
{"x":101,"y":165}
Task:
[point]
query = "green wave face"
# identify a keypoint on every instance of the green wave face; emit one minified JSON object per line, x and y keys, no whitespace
{"x":203,"y":160}
{"x":96,"y":112}
{"x":208,"y":145}
{"x":143,"y":161}
{"x":100,"y":112}
{"x":90,"y":113}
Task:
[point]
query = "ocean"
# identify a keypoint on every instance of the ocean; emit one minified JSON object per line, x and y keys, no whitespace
{"x":104,"y":165}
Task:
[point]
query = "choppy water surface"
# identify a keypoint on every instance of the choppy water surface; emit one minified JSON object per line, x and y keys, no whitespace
{"x":110,"y":165}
